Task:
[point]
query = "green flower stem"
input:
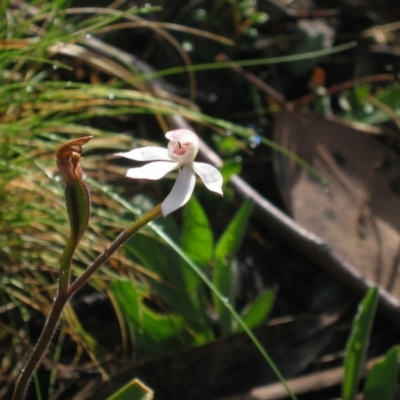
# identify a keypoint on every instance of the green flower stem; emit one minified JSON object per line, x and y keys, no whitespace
{"x":65,"y":265}
{"x":62,"y":298}
{"x":114,"y":246}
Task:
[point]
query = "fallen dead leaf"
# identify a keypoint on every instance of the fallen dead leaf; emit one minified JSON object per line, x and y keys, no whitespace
{"x":359,"y":212}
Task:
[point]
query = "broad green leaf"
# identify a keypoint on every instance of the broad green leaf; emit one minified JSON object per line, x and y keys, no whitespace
{"x":133,"y":390}
{"x":257,"y":312}
{"x":357,"y":344}
{"x":231,"y":239}
{"x":152,"y":331}
{"x":163,"y":256}
{"x":175,"y":285}
{"x":224,"y":267}
{"x":197,"y":237}
{"x":382,"y":380}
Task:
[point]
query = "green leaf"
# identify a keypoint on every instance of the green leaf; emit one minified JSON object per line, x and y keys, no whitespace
{"x":152,"y":331}
{"x":133,"y":390}
{"x":357,"y":344}
{"x":230,"y":168}
{"x":175,"y":285}
{"x":227,"y":145}
{"x":197,"y":237}
{"x":382,"y":380}
{"x":231,"y":239}
{"x":364,"y":110}
{"x":256,"y":313}
{"x":224,"y":268}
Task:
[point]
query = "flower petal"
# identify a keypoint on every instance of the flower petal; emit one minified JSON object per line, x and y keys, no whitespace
{"x":181,"y":192}
{"x":210,"y":176}
{"x":154,"y":170}
{"x":150,"y":153}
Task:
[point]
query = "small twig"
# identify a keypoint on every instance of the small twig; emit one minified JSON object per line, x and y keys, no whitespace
{"x":344,"y":86}
{"x":269,"y":90}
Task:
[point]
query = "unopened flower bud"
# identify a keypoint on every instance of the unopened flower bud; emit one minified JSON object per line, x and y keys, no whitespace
{"x":76,"y":190}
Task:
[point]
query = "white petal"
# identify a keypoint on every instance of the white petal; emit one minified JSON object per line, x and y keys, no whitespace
{"x":211,"y":177}
{"x":154,"y":170}
{"x":181,"y":192}
{"x":146,"y":154}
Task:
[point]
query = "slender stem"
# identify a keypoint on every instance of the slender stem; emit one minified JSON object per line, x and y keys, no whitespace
{"x":62,"y":298}
{"x":115,"y":245}
{"x":41,"y":346}
{"x":65,"y":265}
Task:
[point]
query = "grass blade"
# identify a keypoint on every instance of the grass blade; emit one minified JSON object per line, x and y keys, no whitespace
{"x":357,"y":344}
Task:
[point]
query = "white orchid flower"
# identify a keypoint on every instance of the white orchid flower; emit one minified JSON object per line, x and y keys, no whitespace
{"x":181,"y":152}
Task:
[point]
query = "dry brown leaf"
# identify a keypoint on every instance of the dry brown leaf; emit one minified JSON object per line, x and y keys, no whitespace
{"x":359,"y":213}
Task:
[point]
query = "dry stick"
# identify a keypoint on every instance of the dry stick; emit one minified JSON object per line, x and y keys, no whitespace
{"x":255,"y":80}
{"x":304,"y":384}
{"x":340,"y":87}
{"x":62,"y":298}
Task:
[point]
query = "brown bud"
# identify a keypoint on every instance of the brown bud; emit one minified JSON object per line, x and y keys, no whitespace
{"x":68,"y":157}
{"x":77,"y":194}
